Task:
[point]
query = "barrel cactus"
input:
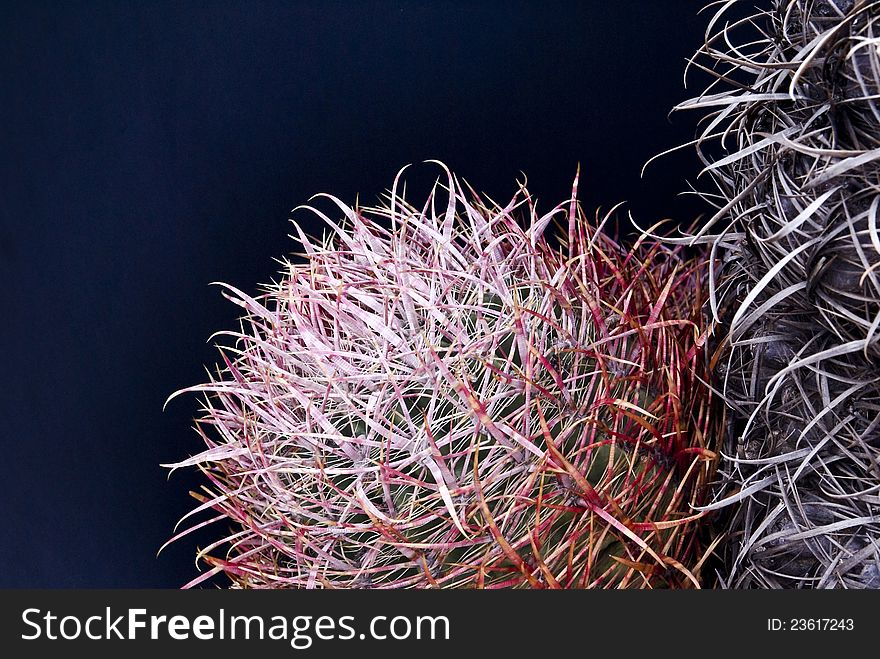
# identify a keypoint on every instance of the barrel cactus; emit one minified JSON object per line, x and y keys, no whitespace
{"x":791,"y":143}
{"x":447,"y":396}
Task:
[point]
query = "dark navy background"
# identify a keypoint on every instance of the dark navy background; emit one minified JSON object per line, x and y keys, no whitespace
{"x":148,"y":148}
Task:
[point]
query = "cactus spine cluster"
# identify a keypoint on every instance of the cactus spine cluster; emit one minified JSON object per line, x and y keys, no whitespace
{"x":435,"y":396}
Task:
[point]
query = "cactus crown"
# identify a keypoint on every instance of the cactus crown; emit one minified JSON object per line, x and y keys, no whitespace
{"x":434,"y":396}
